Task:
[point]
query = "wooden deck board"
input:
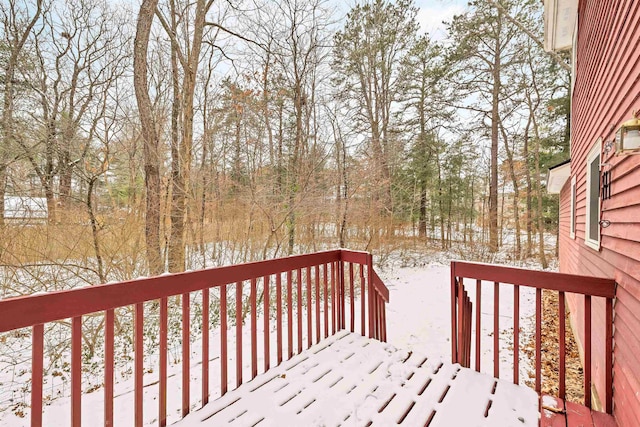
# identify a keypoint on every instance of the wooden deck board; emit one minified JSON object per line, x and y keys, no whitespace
{"x":569,"y":414}
{"x":553,"y":412}
{"x":351,"y":380}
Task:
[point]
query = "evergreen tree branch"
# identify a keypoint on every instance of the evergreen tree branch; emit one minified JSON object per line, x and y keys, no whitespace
{"x":557,"y":58}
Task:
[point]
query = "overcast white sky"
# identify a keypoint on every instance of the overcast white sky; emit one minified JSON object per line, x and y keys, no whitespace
{"x":433,"y":12}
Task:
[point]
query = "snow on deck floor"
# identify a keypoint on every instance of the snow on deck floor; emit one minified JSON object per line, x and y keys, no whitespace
{"x":354,"y":381}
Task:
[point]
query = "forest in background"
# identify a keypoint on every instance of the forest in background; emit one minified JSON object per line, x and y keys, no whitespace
{"x":192,"y":134}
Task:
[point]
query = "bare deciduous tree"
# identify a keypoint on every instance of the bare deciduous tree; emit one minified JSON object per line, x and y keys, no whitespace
{"x":16,"y":27}
{"x":149,"y":134}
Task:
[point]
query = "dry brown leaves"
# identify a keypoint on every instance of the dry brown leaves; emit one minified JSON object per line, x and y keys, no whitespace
{"x":551,"y":356}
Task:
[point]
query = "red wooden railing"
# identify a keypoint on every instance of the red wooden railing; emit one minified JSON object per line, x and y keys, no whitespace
{"x":315,"y":291}
{"x":499,"y":276}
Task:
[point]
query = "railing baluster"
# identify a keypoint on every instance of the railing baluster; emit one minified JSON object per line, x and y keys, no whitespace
{"x":380,"y":321}
{"x":362,"y":301}
{"x":376,"y":317}
{"x":461,"y":324}
{"x":205,"y":346}
{"x":162,"y":404}
{"x":608,"y":359}
{"x":341,"y":290}
{"x":478,"y":322}
{"x":374,"y":305}
{"x":467,"y":334}
{"x":370,"y":292}
{"x":384,"y":322}
{"x":331,"y":297}
{"x":374,"y":312}
{"x":351,"y":299}
{"x":289,"y":314}
{"x":186,"y":367}
{"x":317,"y":283}
{"x":108,"y":367}
{"x":587,"y":351}
{"x":37,"y":358}
{"x":326,"y":299}
{"x":138,"y":362}
{"x":336,"y":293}
{"x":334,"y":298}
{"x":516,"y":334}
{"x":299,"y":314}
{"x":309,"y":310}
{"x":238,"y":334}
{"x":496,"y":329}
{"x":223,"y":340}
{"x":538,"y":340}
{"x":279,"y":316}
{"x":265,"y":296}
{"x":454,"y":317}
{"x":254,"y":329}
{"x":562,"y":348}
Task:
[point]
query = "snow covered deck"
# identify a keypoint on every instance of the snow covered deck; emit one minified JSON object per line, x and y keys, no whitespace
{"x":270,"y":313}
{"x":347,"y":379}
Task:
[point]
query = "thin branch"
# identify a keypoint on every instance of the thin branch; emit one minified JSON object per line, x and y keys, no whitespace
{"x":172,"y":37}
{"x":223,"y":53}
{"x":233,"y":33}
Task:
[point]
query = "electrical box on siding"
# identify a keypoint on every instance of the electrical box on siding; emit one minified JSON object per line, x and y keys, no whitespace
{"x":560,"y":18}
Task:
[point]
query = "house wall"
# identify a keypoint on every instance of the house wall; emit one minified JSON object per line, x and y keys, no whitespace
{"x":606,"y":93}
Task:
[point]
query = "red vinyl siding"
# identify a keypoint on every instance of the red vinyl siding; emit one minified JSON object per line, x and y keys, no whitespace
{"x":606,"y":93}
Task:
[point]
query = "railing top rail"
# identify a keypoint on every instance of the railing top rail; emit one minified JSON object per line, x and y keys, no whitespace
{"x":29,"y":310}
{"x":380,"y":287}
{"x":585,"y":285}
{"x":357,"y":257}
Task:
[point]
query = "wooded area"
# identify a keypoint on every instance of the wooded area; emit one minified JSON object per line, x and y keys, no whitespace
{"x":190,"y":134}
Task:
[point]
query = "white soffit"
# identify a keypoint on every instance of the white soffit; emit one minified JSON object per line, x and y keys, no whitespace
{"x":558,"y":175}
{"x":559,"y":24}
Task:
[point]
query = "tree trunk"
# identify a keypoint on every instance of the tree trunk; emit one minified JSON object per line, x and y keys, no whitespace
{"x":345,"y":189}
{"x":516,"y":192}
{"x":95,"y":230}
{"x":3,"y":187}
{"x":527,"y":171}
{"x":181,"y":173}
{"x":493,"y":185}
{"x":422,"y":219}
{"x":440,"y":204}
{"x":176,"y":253}
{"x":150,"y":136}
{"x":543,"y":258}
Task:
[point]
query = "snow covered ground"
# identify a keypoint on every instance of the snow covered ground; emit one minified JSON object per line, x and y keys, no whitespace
{"x":418,"y":318}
